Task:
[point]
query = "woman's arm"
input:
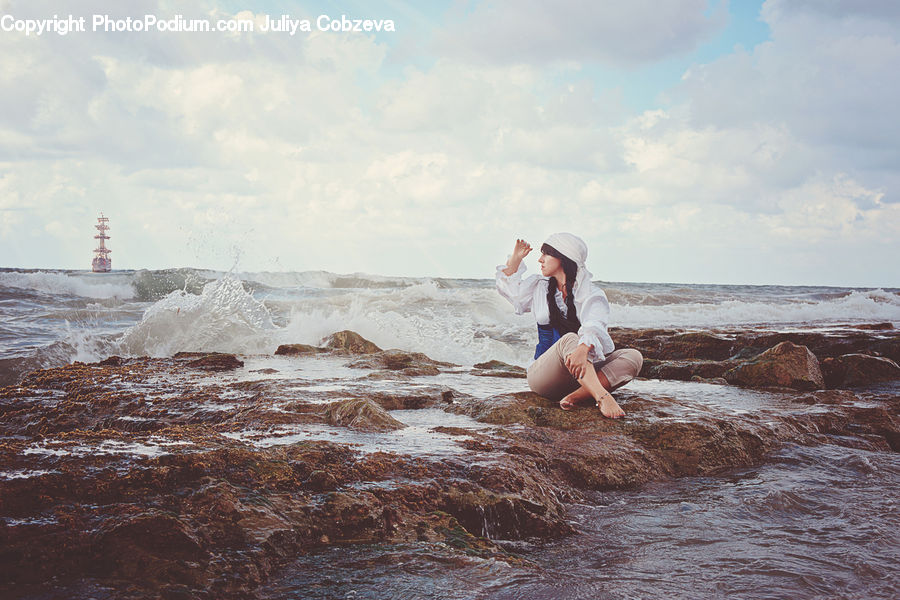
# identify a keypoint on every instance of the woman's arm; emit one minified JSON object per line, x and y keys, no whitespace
{"x":593,"y":333}
{"x":510,"y":284}
{"x":520,"y":251}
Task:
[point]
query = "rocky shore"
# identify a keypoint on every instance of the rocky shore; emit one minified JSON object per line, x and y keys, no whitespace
{"x":203,"y":475}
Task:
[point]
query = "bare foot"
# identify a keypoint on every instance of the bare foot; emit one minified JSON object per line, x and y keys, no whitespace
{"x":579,"y":397}
{"x":609,"y":407}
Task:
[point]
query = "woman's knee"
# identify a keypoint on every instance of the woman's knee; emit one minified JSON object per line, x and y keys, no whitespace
{"x":622,"y":366}
{"x":566,"y":344}
{"x":635,"y":358}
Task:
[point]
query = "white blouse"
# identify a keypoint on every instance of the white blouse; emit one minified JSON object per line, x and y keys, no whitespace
{"x":530,"y":294}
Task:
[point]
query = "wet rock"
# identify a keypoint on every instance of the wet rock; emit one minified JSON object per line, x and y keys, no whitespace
{"x":824,"y":397}
{"x":875,"y":326}
{"x":321,"y":480}
{"x":112,"y":466}
{"x":504,"y":409}
{"x":294,"y":349}
{"x":385,"y":375}
{"x":786,"y":365}
{"x":151,"y":546}
{"x":423,"y":371}
{"x":697,"y":345}
{"x":494,"y":364}
{"x":112,"y":361}
{"x":504,"y":515}
{"x":671,"y":344}
{"x":409,"y":363}
{"x":710,"y":380}
{"x":361,"y":414}
{"x":496,"y":368}
{"x":215,"y":361}
{"x":685,"y":370}
{"x":351,"y":342}
{"x":412,"y":399}
{"x":356,"y":515}
{"x":858,"y":370}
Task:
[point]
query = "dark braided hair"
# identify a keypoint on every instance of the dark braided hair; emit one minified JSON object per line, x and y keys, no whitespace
{"x":570,"y":322}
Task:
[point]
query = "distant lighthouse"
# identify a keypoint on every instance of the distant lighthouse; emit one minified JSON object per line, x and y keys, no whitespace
{"x":101,"y":262}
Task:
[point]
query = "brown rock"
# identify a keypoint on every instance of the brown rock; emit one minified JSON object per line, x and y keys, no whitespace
{"x":506,"y":409}
{"x":217,"y":361}
{"x":411,"y":363}
{"x":152,"y":546}
{"x":292,"y":349}
{"x":685,"y":370}
{"x":215,"y":516}
{"x":858,"y":369}
{"x":697,"y":345}
{"x":786,"y":365}
{"x":351,"y":342}
{"x":881,"y":339}
{"x":362,"y":414}
{"x":423,"y":371}
{"x":411,"y":400}
{"x":874,"y":326}
{"x":494,"y":364}
{"x":496,"y":368}
{"x":710,"y":380}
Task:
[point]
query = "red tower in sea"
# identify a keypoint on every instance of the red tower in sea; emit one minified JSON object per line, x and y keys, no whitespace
{"x":101,"y":262}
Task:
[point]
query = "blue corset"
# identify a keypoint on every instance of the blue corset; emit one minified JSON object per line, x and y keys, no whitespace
{"x":547,"y":336}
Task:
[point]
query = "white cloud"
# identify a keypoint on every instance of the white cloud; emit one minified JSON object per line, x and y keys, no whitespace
{"x":616,"y":33}
{"x":313,"y":153}
{"x":827,"y":77}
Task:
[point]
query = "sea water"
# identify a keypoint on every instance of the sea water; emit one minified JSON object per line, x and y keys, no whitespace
{"x":811,"y":522}
{"x":49,"y":318}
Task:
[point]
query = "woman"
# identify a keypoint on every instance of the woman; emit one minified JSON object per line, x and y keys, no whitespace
{"x":575,"y":360}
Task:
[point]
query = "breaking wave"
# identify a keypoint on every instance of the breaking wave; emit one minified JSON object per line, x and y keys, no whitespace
{"x":61,"y":316}
{"x":222,"y":318}
{"x":55,"y":283}
{"x":841,"y":308}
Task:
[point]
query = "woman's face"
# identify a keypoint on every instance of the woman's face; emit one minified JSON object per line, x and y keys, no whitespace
{"x":549,"y":265}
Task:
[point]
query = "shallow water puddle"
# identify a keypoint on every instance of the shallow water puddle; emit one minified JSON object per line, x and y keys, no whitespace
{"x":152,"y":447}
{"x":706,"y":396}
{"x":418,"y":438}
{"x":24,"y":473}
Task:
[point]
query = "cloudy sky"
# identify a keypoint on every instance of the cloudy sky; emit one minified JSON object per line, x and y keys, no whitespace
{"x":684,"y":140}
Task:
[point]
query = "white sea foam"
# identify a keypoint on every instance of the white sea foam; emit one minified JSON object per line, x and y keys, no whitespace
{"x":460,"y":321}
{"x":223,"y":318}
{"x":86,"y":285}
{"x":856,"y":306}
{"x":463,"y":325}
{"x":448,"y":325}
{"x":327,"y":280}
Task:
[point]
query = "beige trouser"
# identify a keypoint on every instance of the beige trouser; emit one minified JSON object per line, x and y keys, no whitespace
{"x":549,"y":377}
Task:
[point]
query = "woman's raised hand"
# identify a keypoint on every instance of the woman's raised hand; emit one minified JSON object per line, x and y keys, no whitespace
{"x":521,"y":249}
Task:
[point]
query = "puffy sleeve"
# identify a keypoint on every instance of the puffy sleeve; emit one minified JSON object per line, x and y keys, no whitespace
{"x":519,"y":292}
{"x":594,"y":316}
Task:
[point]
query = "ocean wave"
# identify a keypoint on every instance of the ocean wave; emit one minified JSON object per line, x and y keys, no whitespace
{"x":416,"y":319}
{"x":76,"y":344}
{"x":456,"y":325}
{"x":224,"y":317}
{"x":328,"y":280}
{"x":459,"y":324}
{"x":150,"y":286}
{"x":86,"y":285}
{"x":460,"y":321}
{"x":850,"y":307}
